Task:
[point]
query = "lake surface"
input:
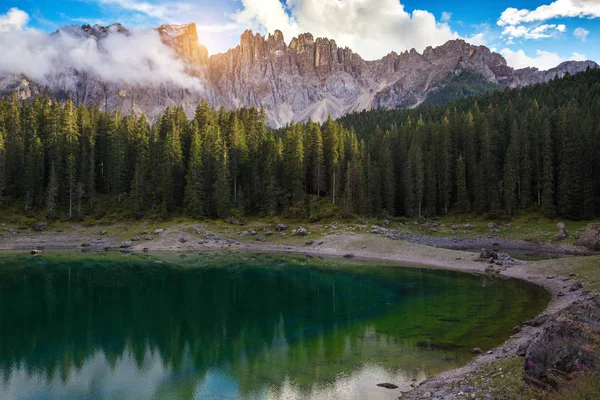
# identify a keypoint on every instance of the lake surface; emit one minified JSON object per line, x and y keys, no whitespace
{"x":240,"y":326}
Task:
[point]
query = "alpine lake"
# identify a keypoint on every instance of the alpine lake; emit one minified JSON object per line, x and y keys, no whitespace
{"x":241,"y":326}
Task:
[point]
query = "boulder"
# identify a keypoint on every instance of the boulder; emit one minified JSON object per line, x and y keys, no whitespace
{"x":182,"y":240}
{"x":37,"y":252}
{"x":565,"y":345}
{"x":135,"y":239}
{"x":590,"y":238}
{"x":302,"y":231}
{"x":488,"y":254}
{"x":562,"y":232}
{"x":234,"y":221}
{"x":310,"y":242}
{"x":158,"y":231}
{"x":103,"y":232}
{"x":493,"y":227}
{"x":40,"y":227}
{"x":126,"y":245}
{"x":243,"y":233}
{"x":253,"y":232}
{"x":149,"y":237}
{"x":261,"y":239}
{"x":477,"y":351}
{"x":576,"y":286}
{"x":281,"y":227}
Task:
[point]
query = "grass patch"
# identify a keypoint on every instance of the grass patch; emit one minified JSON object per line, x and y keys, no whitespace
{"x":502,"y":379}
{"x":587,"y":269}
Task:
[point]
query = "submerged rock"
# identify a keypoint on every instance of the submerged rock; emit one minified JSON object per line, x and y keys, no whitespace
{"x":387,"y":385}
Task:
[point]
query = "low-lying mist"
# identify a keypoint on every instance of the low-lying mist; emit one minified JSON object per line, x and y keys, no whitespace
{"x":136,"y":58}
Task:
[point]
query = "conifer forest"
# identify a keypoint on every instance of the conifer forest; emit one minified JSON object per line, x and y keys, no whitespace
{"x":535,"y":148}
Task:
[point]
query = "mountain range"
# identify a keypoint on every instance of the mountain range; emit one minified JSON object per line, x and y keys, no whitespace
{"x":305,"y":78}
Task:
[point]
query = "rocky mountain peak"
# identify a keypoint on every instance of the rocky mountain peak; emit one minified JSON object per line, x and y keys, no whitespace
{"x":184,"y":40}
{"x":307,"y":78}
{"x":96,"y":31}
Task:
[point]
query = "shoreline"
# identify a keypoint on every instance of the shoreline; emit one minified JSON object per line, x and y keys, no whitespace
{"x":362,"y":247}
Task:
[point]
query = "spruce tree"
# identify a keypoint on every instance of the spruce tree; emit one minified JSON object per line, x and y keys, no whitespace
{"x":462,"y":196}
{"x":548,"y":206}
{"x":194,"y":189}
{"x":52,"y":192}
{"x":2,"y":167}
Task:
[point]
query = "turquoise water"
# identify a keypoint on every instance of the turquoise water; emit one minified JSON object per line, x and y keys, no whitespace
{"x":240,"y":326}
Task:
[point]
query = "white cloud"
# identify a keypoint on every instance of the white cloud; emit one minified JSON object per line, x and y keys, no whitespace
{"x":556,"y":9}
{"x":543,"y":60}
{"x":446,"y":16}
{"x":539,"y":32}
{"x":578,"y":56}
{"x":158,"y":11}
{"x":581,"y":34}
{"x":137,"y":59}
{"x":372,"y":28}
{"x":13,"y":20}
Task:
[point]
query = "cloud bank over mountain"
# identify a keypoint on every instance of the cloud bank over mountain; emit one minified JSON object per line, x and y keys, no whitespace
{"x":138,"y":57}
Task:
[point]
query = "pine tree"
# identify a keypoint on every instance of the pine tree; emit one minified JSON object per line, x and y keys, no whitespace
{"x":52,"y":192}
{"x":70,"y":135}
{"x":194,"y":189}
{"x":34,"y":175}
{"x":548,"y":206}
{"x":2,"y":167}
{"x":389,"y":178}
{"x":222,"y":191}
{"x":511,"y":185}
{"x":331,"y":143}
{"x":13,"y":143}
{"x":237,"y":154}
{"x":462,"y":196}
{"x":294,"y":163}
{"x":141,"y":185}
{"x":431,"y":186}
{"x":315,"y":158}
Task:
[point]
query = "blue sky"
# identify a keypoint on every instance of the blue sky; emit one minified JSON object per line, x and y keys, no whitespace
{"x":539,"y":33}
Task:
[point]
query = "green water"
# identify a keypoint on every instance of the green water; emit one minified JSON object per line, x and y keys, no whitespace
{"x":240,"y":326}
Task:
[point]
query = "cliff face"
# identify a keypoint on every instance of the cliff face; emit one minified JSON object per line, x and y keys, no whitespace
{"x":184,"y":40}
{"x":307,"y":78}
